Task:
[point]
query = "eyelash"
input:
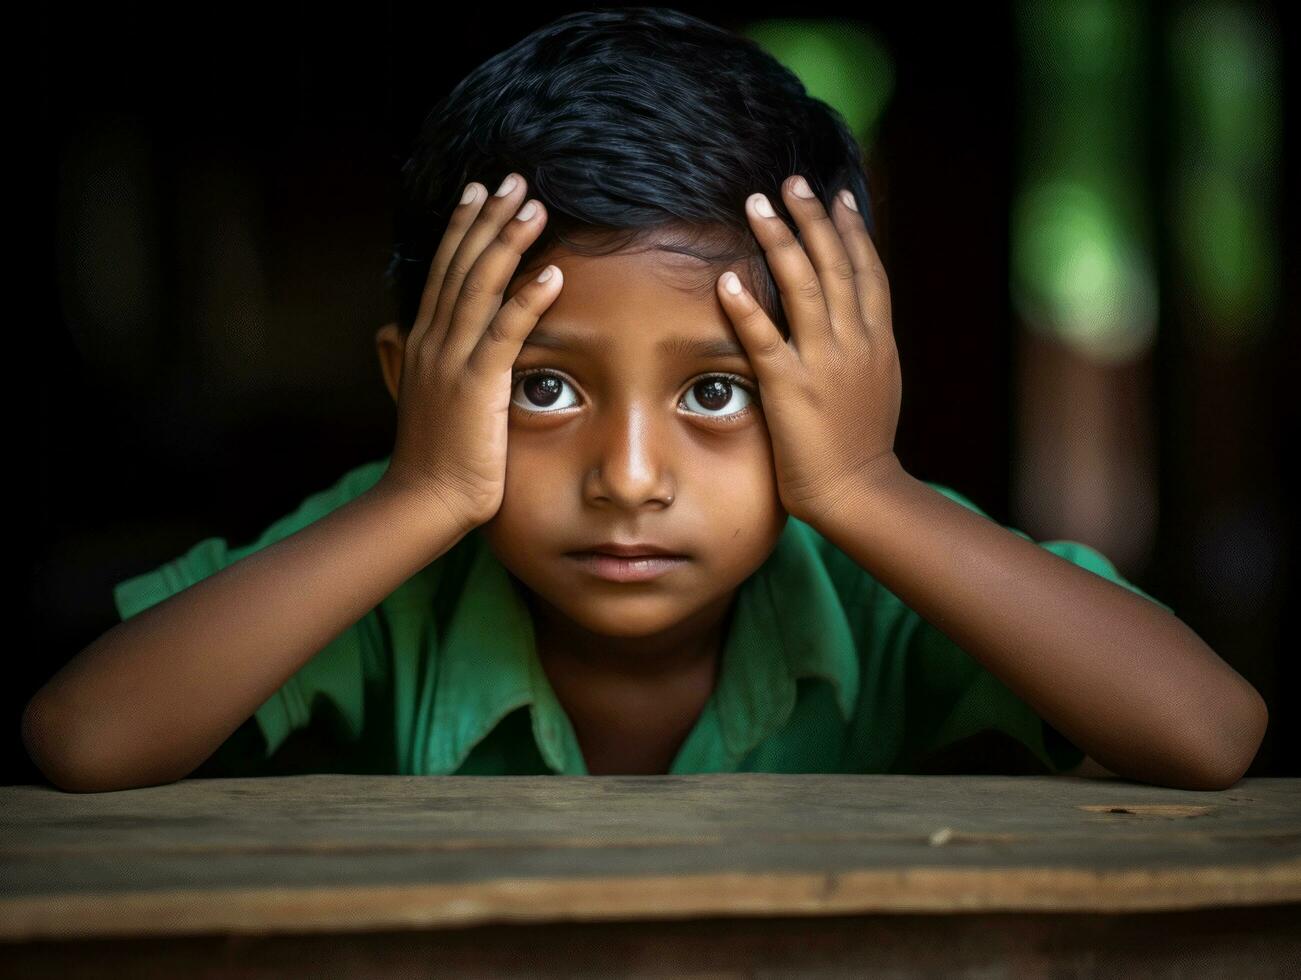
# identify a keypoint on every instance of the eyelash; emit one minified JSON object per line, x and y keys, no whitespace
{"x":736,"y":379}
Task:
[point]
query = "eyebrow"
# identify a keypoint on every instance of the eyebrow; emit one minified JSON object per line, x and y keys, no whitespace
{"x":699,"y":347}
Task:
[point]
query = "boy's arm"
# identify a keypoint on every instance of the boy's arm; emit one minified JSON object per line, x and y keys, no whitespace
{"x":1118,"y":675}
{"x":152,"y":698}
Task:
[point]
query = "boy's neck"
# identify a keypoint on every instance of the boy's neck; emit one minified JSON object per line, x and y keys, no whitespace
{"x":632,"y":702}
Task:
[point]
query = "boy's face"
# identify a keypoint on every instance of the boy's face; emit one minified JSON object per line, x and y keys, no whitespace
{"x":633,"y":443}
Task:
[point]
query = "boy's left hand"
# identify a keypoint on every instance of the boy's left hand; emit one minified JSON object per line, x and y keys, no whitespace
{"x":831,"y":394}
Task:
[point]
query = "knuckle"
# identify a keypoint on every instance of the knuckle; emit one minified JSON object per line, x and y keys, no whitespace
{"x":472,"y":288}
{"x":417,"y":356}
{"x":428,"y":364}
{"x":809,"y":288}
{"x":496,"y":332}
{"x":771,"y":345}
{"x":507,"y":233}
{"x":457,"y":269}
{"x":500,"y":245}
{"x":770,"y":348}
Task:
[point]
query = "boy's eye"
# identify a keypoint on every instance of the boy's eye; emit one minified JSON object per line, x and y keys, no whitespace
{"x":714,"y":396}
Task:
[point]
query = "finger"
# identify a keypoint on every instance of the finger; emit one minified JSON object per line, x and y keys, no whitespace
{"x":872,"y":285}
{"x":769,"y":354}
{"x":481,"y":293}
{"x":797,"y":280}
{"x":499,"y":346}
{"x":497,"y":211}
{"x":821,"y":240}
{"x":472,"y":198}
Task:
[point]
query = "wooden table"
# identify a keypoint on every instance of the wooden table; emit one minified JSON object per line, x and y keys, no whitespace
{"x":690,"y":876}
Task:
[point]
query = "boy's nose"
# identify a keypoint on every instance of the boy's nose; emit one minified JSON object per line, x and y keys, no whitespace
{"x":631,"y":466}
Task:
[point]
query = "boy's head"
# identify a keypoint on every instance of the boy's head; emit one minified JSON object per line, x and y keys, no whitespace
{"x":642,"y":131}
{"x":625,"y":123}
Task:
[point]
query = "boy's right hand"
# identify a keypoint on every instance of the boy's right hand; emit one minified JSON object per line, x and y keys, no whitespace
{"x":454,"y":391}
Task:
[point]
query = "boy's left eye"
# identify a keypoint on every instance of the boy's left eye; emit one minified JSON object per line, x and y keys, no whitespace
{"x":712,"y":394}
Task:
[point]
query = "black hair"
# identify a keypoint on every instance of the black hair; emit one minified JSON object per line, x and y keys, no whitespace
{"x":628,"y":124}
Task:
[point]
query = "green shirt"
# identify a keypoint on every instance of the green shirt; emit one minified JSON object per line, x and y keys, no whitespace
{"x":823,"y":670}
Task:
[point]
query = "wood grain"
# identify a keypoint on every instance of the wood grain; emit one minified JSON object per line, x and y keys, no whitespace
{"x":346,"y":853}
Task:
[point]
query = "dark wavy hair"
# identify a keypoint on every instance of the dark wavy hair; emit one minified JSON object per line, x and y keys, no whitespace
{"x":632,"y":124}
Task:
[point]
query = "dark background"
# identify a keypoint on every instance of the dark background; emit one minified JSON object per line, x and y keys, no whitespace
{"x":243,"y":165}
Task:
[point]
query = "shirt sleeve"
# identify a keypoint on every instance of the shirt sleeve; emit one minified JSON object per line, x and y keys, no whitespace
{"x":331,"y":686}
{"x":951,"y":697}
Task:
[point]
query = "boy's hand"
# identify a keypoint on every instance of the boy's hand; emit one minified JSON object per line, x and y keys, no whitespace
{"x":831,"y":394}
{"x":454,"y":392}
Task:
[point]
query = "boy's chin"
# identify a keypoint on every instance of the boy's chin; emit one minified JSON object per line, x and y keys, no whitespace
{"x":616,"y":610}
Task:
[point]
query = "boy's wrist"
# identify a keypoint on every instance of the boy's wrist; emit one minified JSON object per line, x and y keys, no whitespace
{"x":426,"y":512}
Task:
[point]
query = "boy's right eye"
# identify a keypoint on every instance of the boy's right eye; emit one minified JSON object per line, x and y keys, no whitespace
{"x":542,"y":389}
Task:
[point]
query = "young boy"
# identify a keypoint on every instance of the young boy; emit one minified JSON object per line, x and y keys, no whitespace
{"x":576,"y":377}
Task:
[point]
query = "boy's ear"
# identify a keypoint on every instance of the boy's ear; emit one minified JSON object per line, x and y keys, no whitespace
{"x":391,"y":346}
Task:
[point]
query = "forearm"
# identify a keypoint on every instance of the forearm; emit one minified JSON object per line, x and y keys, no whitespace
{"x":153,"y":697}
{"x":1122,"y":678}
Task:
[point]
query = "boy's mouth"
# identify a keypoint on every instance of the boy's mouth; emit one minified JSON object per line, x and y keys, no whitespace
{"x":630,"y":550}
{"x":627,"y":568}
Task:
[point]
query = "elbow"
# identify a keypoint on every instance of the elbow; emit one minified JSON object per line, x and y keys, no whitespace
{"x":1235,"y":747}
{"x":55,"y":751}
{"x":45,"y":740}
{"x":1217,"y":781}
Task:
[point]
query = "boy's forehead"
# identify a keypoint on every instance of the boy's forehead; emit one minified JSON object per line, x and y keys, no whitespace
{"x":689,"y":257}
{"x":649,"y":295}
{"x":608,"y":287}
{"x":675,"y":264}
{"x":658,"y":267}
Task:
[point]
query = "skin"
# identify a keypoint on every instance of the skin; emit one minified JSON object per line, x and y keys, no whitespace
{"x":1124,"y":679}
{"x":1119,"y":676}
{"x":632,"y":445}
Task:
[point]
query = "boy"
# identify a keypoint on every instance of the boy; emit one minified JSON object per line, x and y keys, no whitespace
{"x":680,"y":344}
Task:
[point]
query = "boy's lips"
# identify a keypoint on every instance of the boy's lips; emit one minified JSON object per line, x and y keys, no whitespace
{"x":620,"y":568}
{"x":640,"y":549}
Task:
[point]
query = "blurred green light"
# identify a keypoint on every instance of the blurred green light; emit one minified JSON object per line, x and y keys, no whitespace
{"x":1081,"y":267}
{"x":840,"y":62}
{"x":1228,"y":249}
{"x":1078,"y":274}
{"x":1227,"y":90}
{"x":1226,"y":79}
{"x":1083,"y":40}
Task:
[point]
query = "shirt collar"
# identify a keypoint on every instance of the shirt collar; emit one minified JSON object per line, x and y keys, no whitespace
{"x":788,"y":622}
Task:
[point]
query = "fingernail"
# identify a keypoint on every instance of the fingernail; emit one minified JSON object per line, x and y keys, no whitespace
{"x":731,"y":283}
{"x":849,"y":201}
{"x":527,"y":211}
{"x":761,"y":206}
{"x":507,"y":186}
{"x":471,"y":193}
{"x":801,"y":188}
